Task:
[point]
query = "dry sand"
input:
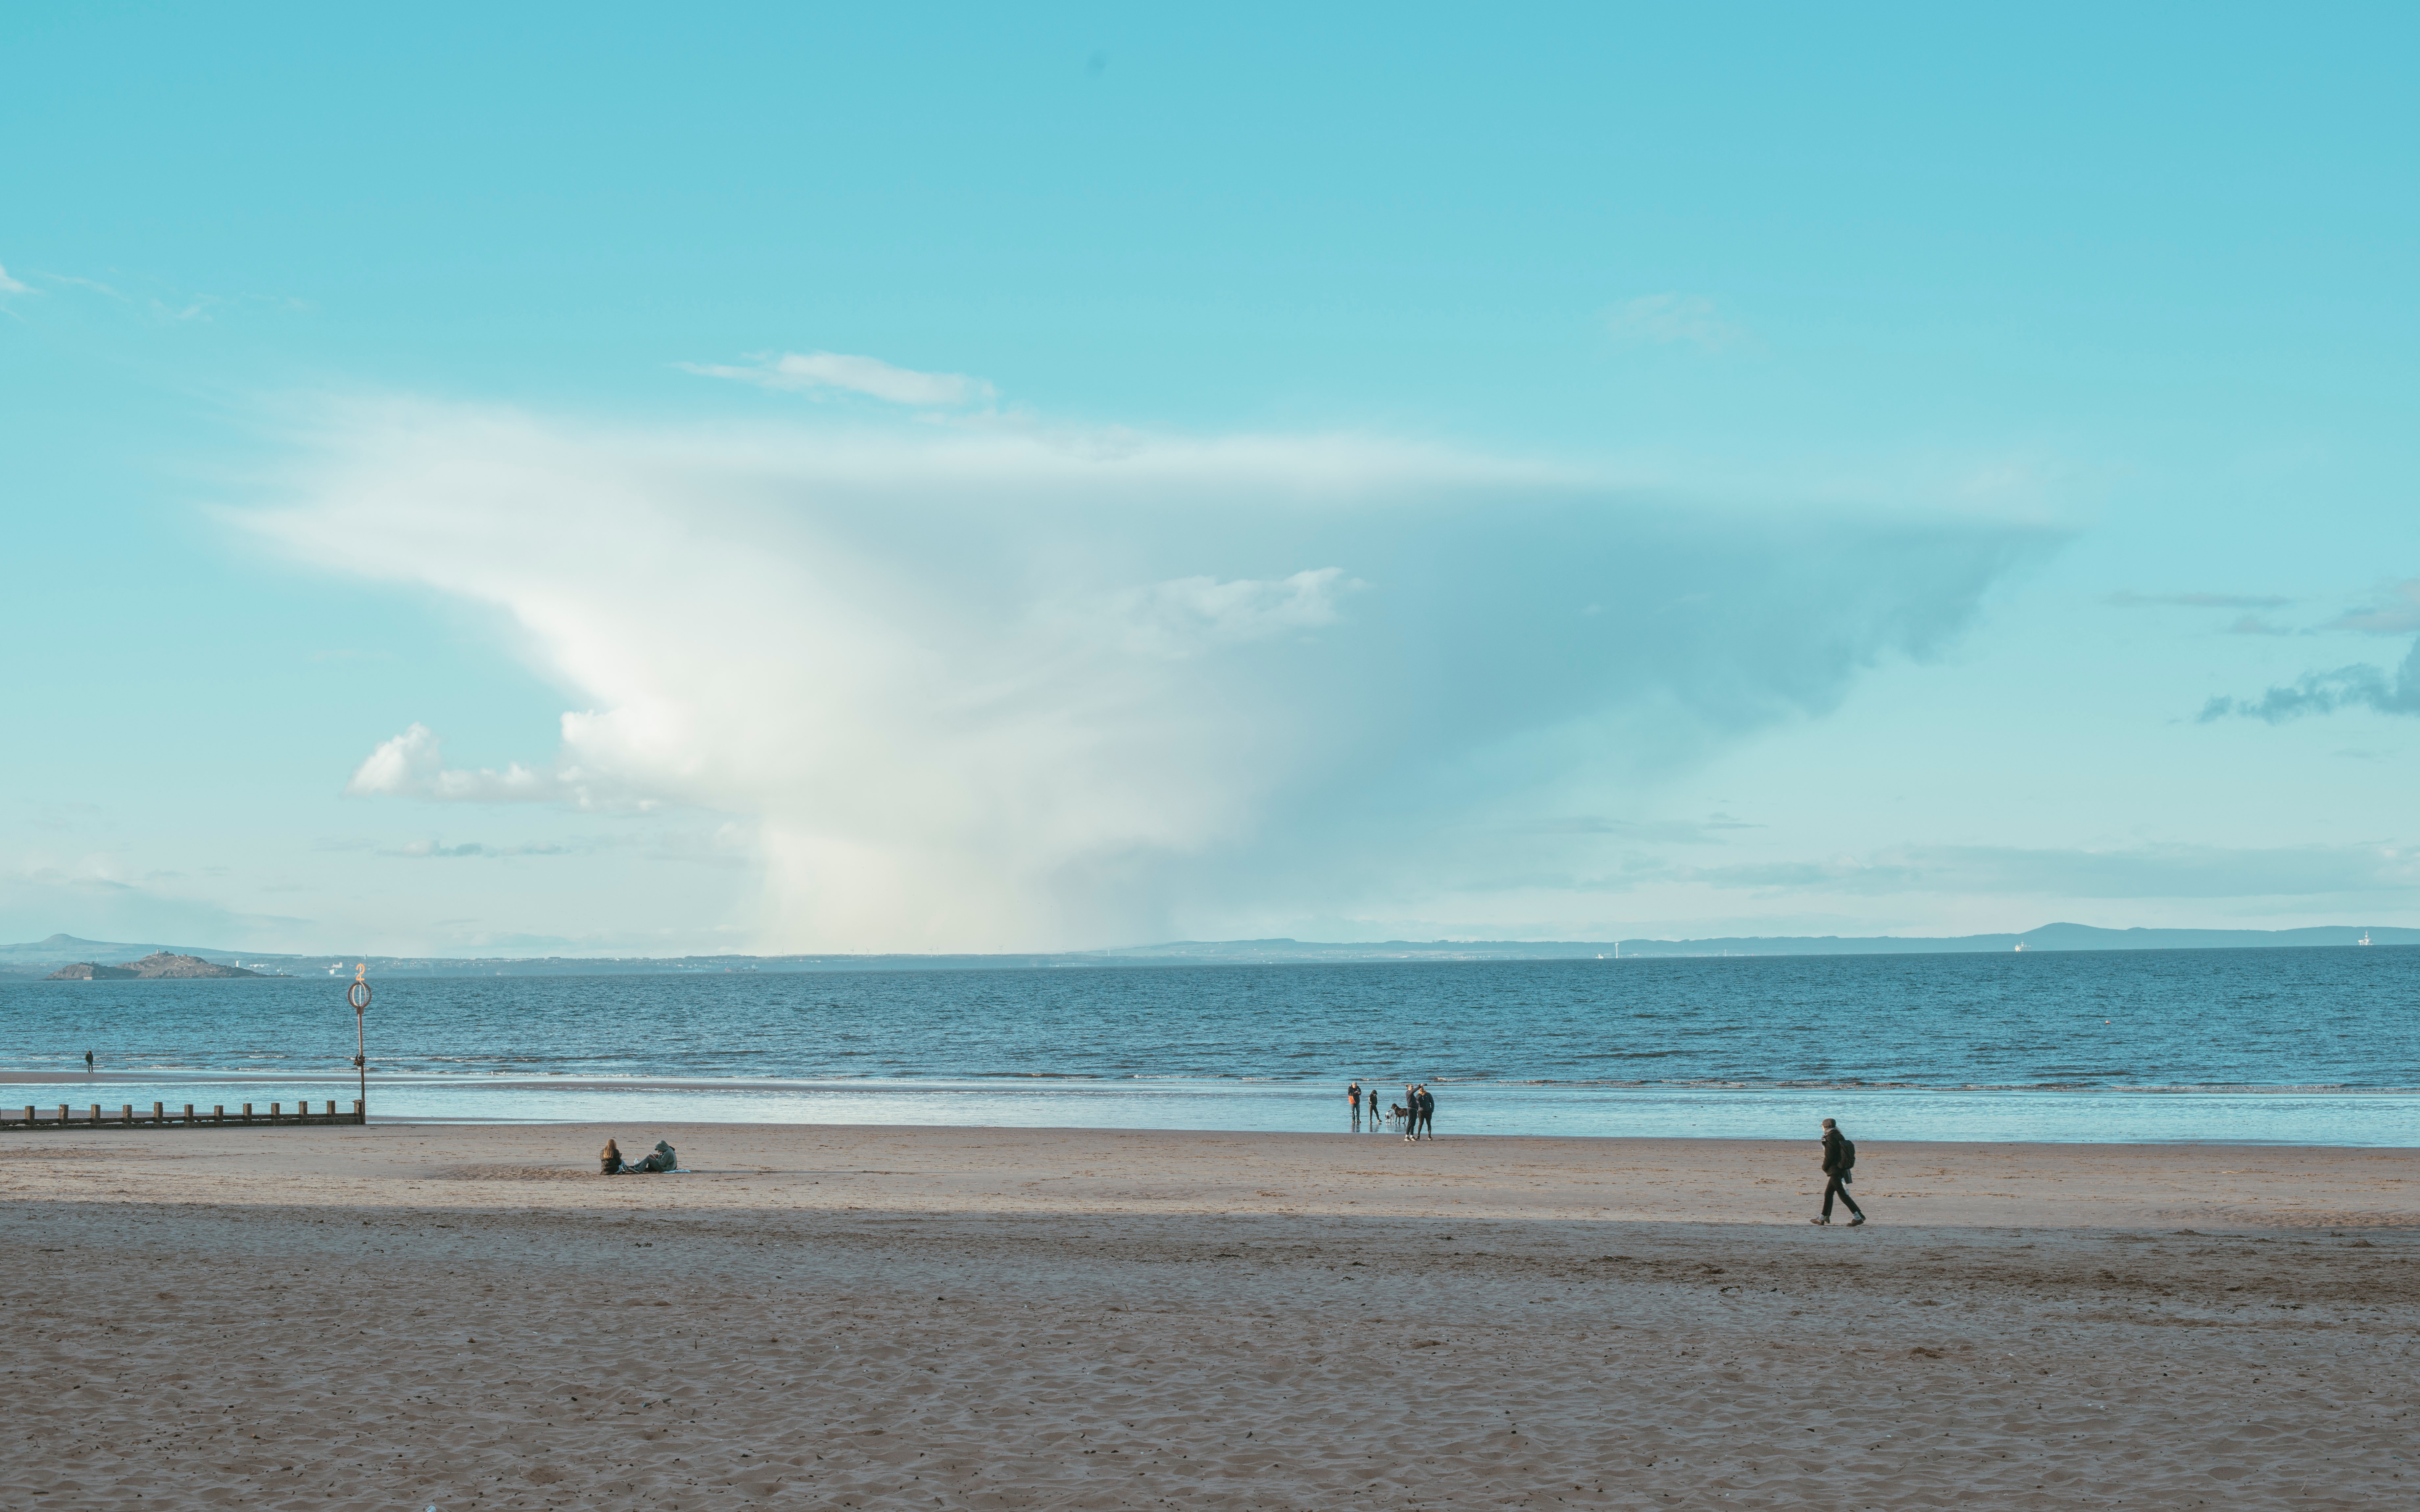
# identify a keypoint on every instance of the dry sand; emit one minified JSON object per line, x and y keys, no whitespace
{"x":401,"y":1316}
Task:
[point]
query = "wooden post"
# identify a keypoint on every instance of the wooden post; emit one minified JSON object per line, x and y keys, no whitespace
{"x":63,"y":1114}
{"x":158,"y":1113}
{"x":276,"y":1111}
{"x":29,"y":1114}
{"x":247,"y":1113}
{"x":218,"y":1113}
{"x":360,"y":1111}
{"x":96,"y":1114}
{"x":188,"y":1113}
{"x":129,"y":1115}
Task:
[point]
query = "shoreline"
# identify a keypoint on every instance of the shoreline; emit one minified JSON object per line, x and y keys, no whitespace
{"x":260,"y":1124}
{"x":2382,"y":1119}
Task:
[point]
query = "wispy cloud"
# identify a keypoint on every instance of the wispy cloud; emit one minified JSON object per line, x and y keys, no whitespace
{"x":93,"y":283}
{"x":1009,"y":689}
{"x":10,"y":285}
{"x":2137,"y":871}
{"x":434,"y":850}
{"x":810,"y":371}
{"x":1190,"y":616}
{"x":2126,"y":599}
{"x":2360,"y":685}
{"x":2253,"y":625}
{"x":1666,"y":831}
{"x":2398,"y":615}
{"x":1666,"y":318}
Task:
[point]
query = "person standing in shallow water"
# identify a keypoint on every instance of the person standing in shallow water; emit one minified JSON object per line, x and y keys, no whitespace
{"x":87,"y":1060}
{"x":1353,"y":1101}
{"x":1839,"y":1156}
{"x":1373,"y":1110}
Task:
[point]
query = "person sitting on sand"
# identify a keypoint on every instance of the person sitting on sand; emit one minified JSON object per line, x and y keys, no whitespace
{"x":662,"y":1160}
{"x":609,"y":1159}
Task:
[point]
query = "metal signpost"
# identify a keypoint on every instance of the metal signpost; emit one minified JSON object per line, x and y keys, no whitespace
{"x":359,"y":995}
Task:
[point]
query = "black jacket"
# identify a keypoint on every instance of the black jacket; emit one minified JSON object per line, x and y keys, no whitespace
{"x":1832,"y":1158}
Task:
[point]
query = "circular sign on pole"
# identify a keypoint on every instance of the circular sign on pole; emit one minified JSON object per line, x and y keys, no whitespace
{"x":359,"y":995}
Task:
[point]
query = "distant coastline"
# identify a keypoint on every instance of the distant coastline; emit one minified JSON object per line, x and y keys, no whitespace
{"x":158,"y":967}
{"x":43,"y":958}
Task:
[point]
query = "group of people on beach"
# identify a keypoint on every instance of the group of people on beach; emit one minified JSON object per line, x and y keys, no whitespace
{"x":1415,"y":1115}
{"x":609,"y":1161}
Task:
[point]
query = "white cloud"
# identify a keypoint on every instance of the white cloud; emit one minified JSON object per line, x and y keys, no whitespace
{"x":1665,"y":318}
{"x":868,"y":376}
{"x":964,"y":689}
{"x":409,"y":766}
{"x":10,"y":285}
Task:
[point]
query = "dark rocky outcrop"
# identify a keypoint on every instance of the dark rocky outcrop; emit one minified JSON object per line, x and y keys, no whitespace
{"x":159,"y":964}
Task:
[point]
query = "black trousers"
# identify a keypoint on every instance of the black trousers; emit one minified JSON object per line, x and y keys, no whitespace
{"x":1832,"y":1188}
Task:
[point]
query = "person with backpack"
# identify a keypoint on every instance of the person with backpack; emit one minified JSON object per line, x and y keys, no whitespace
{"x":1840,"y":1156}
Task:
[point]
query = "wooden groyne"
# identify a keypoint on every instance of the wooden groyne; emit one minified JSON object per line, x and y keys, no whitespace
{"x":126,"y":1116}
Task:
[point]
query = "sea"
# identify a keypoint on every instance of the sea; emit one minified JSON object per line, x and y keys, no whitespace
{"x":2262,"y":1047}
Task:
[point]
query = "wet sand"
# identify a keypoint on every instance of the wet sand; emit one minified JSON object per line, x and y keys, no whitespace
{"x":401,"y":1316}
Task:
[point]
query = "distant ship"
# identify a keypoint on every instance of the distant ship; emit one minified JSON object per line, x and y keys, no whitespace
{"x":2365,"y":938}
{"x":2021,"y":944}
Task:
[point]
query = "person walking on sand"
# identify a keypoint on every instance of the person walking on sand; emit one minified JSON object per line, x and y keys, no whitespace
{"x":1840,"y":1154}
{"x":1353,"y":1104}
{"x":1424,"y":1111}
{"x":1373,"y":1110}
{"x":87,"y":1060}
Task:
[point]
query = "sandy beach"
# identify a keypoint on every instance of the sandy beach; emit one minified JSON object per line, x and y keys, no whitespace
{"x":468,"y":1315}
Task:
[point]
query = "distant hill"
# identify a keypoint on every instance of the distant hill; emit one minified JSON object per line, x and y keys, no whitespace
{"x":158,"y":964}
{"x":102,"y":960}
{"x":61,"y":948}
{"x":2048,"y":937}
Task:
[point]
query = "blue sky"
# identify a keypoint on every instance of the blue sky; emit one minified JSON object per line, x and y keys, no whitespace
{"x":594,"y":480}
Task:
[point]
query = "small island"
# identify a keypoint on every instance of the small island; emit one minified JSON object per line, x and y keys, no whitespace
{"x":158,"y":964}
